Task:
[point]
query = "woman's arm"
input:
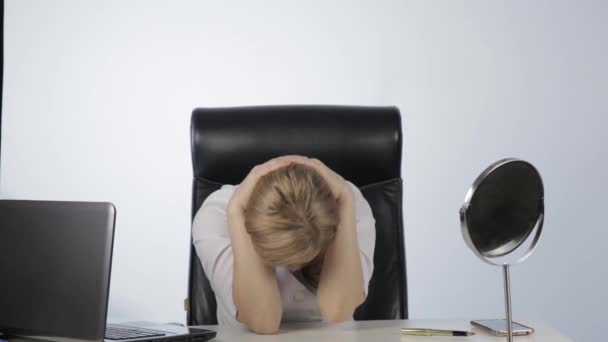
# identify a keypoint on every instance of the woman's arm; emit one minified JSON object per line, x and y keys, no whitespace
{"x":341,"y":289}
{"x":254,"y":287}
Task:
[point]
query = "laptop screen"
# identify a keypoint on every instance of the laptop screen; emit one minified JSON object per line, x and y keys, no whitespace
{"x":55,"y":260}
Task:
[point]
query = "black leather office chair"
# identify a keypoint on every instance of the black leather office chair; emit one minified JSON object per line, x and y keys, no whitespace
{"x":363,"y":144}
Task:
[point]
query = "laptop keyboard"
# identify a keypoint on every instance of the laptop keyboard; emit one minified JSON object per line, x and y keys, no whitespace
{"x":121,"y":332}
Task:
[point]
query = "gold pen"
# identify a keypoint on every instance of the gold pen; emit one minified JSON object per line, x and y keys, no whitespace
{"x":435,"y":332}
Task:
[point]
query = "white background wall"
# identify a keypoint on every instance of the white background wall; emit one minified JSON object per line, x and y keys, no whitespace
{"x":98,"y":95}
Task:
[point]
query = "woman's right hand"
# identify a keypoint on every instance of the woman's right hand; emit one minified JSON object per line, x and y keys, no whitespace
{"x":253,"y":281}
{"x":240,"y":197}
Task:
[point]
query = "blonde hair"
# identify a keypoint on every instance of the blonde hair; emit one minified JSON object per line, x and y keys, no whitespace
{"x":291,"y":216}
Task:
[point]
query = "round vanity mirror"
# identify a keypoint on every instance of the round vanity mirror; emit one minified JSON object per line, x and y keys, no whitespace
{"x":503,"y":211}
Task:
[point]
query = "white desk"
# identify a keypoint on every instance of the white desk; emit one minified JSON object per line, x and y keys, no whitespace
{"x":381,"y":331}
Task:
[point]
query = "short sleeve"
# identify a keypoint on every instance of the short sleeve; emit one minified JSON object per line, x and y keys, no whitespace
{"x":214,"y":249}
{"x":366,"y":235}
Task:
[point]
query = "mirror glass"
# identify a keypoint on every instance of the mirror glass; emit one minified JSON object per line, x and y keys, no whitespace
{"x":502,"y":208}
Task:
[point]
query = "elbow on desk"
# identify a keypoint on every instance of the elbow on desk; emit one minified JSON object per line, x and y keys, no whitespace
{"x":340,"y":310}
{"x":263,"y":325}
{"x":337,"y":317}
{"x":265,"y":328}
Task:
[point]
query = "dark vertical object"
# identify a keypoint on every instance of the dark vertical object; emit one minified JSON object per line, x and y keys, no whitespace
{"x":1,"y":67}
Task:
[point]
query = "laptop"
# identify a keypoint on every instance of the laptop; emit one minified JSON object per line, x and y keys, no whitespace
{"x":55,"y":263}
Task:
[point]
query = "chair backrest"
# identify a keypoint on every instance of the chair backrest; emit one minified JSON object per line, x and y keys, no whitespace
{"x":363,"y":144}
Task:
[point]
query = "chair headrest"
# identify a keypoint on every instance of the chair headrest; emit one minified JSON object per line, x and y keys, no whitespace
{"x":363,"y":144}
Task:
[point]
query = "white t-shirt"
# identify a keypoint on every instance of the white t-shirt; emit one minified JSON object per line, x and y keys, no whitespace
{"x":213,"y":246}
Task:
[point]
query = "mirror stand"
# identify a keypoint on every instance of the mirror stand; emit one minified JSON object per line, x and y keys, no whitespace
{"x":502,"y":211}
{"x":505,"y":269}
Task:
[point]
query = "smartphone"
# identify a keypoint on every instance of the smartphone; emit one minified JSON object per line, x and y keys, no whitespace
{"x":498,"y":327}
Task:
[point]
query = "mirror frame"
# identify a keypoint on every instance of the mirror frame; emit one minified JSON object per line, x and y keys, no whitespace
{"x":511,"y":247}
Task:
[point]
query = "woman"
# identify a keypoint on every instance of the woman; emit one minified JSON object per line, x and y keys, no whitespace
{"x":293,"y":242}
